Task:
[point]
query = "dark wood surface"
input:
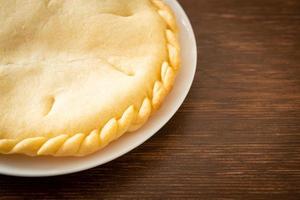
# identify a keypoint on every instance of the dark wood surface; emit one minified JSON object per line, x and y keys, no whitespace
{"x":237,"y":136}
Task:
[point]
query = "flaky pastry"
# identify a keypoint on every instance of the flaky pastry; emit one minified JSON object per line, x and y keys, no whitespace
{"x":76,"y":74}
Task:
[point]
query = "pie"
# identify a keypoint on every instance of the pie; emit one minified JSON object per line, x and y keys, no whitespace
{"x":76,"y":75}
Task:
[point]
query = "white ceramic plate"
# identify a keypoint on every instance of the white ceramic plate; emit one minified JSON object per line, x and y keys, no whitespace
{"x":18,"y":165}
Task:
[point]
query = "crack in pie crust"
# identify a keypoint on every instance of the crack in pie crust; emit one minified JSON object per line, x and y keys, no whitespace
{"x":76,"y":75}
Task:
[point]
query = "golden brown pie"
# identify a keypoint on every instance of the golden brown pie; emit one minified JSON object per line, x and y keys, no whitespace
{"x":76,"y":74}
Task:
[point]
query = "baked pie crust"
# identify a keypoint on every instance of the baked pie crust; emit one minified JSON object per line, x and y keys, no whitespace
{"x":76,"y":75}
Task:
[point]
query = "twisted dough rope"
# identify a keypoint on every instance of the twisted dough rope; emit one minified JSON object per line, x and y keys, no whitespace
{"x":132,"y":119}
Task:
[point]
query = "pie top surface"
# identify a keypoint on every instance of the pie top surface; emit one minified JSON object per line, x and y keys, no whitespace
{"x":67,"y":68}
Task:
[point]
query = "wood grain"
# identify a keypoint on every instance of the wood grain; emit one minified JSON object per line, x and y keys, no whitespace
{"x":237,"y":136}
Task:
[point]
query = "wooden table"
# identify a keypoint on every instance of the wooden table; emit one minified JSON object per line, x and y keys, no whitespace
{"x":237,"y":136}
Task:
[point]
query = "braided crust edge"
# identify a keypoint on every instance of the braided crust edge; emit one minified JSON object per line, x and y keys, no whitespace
{"x":132,"y":118}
